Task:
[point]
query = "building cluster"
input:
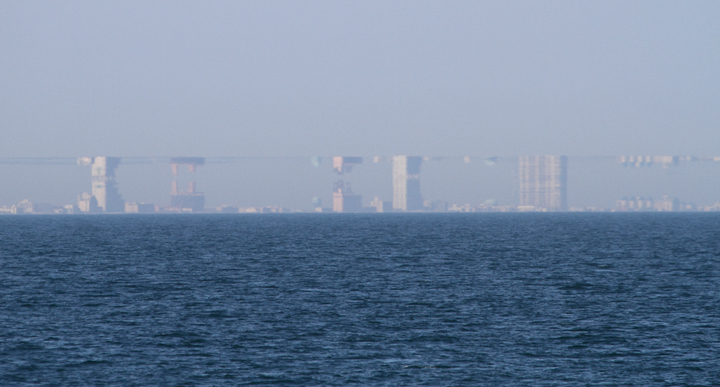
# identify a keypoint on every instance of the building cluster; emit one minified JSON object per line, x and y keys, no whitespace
{"x":542,"y":187}
{"x":105,"y":198}
{"x":406,"y":195}
{"x":665,"y":161}
{"x":27,"y":207}
{"x":666,"y":204}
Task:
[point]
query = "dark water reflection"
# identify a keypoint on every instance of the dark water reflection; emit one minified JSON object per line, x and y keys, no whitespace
{"x":496,"y":299}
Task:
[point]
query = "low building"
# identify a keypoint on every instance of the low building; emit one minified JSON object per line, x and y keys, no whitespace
{"x":188,"y":200}
{"x":635,"y":204}
{"x":345,"y":201}
{"x":25,"y":207}
{"x":88,"y":204}
{"x":5,"y":210}
{"x":46,"y":208}
{"x":464,"y":208}
{"x":436,"y":206}
{"x":381,"y":206}
{"x":140,"y":208}
{"x":227,"y":209}
{"x":642,"y":204}
{"x":272,"y":209}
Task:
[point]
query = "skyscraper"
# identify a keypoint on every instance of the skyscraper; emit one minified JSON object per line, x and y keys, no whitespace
{"x":104,"y":188}
{"x":344,"y":200}
{"x":543,"y":182}
{"x":406,"y":183}
{"x":189,"y":199}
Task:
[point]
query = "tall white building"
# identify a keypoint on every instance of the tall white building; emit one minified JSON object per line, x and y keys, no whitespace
{"x":543,"y":182}
{"x":406,"y":183}
{"x":104,"y":188}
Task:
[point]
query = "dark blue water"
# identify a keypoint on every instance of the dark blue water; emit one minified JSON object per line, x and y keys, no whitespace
{"x":496,"y":299}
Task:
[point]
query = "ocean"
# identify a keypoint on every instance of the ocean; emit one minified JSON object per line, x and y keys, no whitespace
{"x":542,"y":299}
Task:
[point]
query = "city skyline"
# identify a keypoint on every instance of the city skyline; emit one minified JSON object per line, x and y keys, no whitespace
{"x":257,"y":88}
{"x":540,"y":183}
{"x":377,"y":192}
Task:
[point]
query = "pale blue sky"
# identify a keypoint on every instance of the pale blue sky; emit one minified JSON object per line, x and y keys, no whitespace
{"x":281,"y":78}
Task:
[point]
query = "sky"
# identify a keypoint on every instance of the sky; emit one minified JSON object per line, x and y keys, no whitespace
{"x":304,"y":78}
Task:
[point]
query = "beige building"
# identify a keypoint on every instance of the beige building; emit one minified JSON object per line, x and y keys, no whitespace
{"x":139,"y":208}
{"x":8,"y":210}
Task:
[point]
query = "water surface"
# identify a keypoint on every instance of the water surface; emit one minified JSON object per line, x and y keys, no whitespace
{"x":476,"y":299}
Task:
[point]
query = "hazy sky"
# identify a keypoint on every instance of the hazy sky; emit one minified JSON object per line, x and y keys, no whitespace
{"x":281,"y":78}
